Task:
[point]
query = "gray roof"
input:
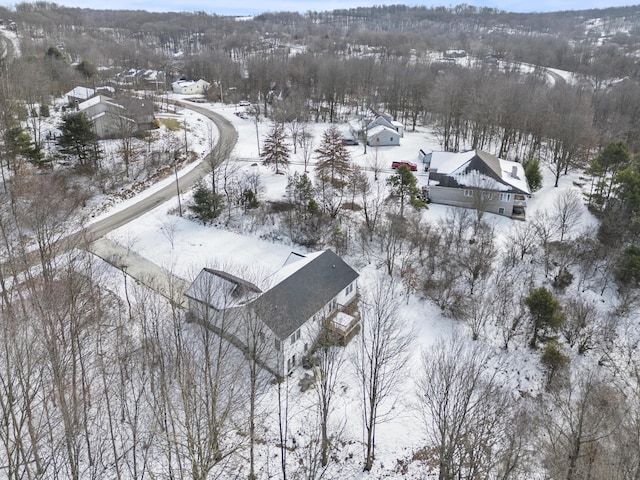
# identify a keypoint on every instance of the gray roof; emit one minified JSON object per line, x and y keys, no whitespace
{"x":482,"y":162}
{"x":290,"y":303}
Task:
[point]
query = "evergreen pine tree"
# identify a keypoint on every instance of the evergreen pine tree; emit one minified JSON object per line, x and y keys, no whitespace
{"x":532,"y":172}
{"x":545,"y":312}
{"x":78,"y":138}
{"x":404,"y":186}
{"x":275,"y":151}
{"x":333,"y":159}
{"x":206,"y":205}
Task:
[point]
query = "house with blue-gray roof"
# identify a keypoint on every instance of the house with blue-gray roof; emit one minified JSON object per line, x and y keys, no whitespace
{"x":281,"y":320}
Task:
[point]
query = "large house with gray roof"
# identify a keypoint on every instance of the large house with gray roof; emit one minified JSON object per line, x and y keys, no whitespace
{"x":476,"y":179}
{"x":282,"y":320}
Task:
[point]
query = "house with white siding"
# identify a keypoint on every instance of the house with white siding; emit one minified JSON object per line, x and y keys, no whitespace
{"x":190,"y":87}
{"x":382,"y":136}
{"x":386,"y":120}
{"x":281,"y":322}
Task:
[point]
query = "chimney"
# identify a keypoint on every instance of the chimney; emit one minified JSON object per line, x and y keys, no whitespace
{"x":514,"y":171}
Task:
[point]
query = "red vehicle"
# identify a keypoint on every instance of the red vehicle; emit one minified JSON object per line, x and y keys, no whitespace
{"x":410,"y":165}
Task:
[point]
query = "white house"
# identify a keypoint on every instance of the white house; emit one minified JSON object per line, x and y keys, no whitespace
{"x":79,"y":94}
{"x":190,"y":87}
{"x":283,"y":321}
{"x":387,"y":120}
{"x":476,"y":179}
{"x":382,"y":136}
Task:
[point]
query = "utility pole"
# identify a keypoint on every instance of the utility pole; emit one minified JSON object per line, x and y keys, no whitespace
{"x":175,"y":171}
{"x":256,"y":120}
{"x":186,"y":146}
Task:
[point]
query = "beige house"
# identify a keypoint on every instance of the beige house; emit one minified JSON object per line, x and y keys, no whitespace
{"x":476,"y":179}
{"x":282,"y":320}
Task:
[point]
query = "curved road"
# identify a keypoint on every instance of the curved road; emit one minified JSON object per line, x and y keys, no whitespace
{"x":104,"y":226}
{"x":135,"y":265}
{"x":92,"y":236}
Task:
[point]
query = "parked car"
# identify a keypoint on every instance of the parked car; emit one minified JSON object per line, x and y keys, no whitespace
{"x":349,"y":141}
{"x":244,"y":103}
{"x":410,"y":165}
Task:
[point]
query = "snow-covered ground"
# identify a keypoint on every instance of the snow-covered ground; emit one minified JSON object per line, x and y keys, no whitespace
{"x":185,"y":246}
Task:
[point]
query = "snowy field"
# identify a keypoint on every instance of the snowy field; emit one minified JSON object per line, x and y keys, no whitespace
{"x":184,"y":246}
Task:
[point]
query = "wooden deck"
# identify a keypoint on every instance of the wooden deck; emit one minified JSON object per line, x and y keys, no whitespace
{"x":343,"y":324}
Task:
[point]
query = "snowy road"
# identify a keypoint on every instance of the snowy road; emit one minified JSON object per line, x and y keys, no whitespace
{"x":118,"y":219}
{"x":137,"y":267}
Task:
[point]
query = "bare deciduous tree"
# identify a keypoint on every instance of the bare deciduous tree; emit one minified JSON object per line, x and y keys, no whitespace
{"x":465,"y":412}
{"x":567,"y":212}
{"x":306,"y":144}
{"x":219,"y":153}
{"x":577,"y":421}
{"x":331,"y":358}
{"x":384,"y":347}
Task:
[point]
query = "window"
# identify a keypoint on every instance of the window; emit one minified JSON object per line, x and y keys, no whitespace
{"x":295,"y":336}
{"x":468,"y":193}
{"x":391,"y":139}
{"x":348,"y":290}
{"x":306,"y":347}
{"x":519,"y":198}
{"x":486,"y":195}
{"x":501,"y":210}
{"x":505,"y":197}
{"x":291,"y":362}
{"x":332,"y":305}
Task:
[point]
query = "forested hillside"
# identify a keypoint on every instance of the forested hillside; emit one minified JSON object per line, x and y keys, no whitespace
{"x":102,"y":377}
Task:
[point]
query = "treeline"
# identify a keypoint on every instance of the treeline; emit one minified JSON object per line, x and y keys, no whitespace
{"x":462,"y":26}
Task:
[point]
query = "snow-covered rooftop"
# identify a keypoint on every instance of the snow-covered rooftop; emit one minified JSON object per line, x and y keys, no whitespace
{"x":379,"y":129}
{"x":294,"y":262}
{"x":96,"y":100}
{"x":506,"y":174}
{"x":81,"y":92}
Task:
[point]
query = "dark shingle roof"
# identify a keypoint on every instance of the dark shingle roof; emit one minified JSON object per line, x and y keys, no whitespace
{"x":481,"y":162}
{"x":294,"y":300}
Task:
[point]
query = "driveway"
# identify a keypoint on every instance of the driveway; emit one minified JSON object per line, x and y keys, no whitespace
{"x":134,"y":265}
